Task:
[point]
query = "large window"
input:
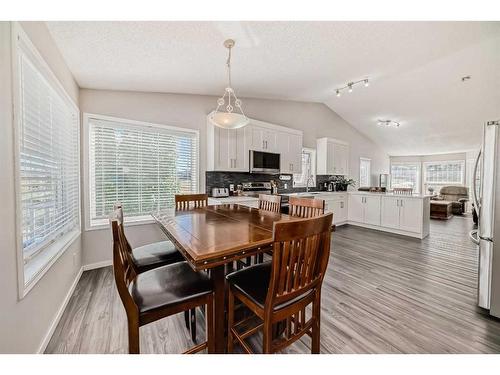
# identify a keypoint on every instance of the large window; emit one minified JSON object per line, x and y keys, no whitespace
{"x":308,"y":169}
{"x":140,"y":165}
{"x":48,"y":164}
{"x":406,"y":175}
{"x":364,"y":172}
{"x":441,"y":173}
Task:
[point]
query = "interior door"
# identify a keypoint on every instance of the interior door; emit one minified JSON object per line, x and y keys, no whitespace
{"x":390,"y":212}
{"x":356,"y":208}
{"x":372,"y":210}
{"x":411,"y":214}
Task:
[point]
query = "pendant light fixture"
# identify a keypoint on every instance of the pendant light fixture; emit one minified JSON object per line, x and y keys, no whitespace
{"x":223,"y":116}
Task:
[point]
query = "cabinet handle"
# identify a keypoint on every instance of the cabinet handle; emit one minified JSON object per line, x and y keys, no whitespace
{"x":401,"y":203}
{"x":266,"y":145}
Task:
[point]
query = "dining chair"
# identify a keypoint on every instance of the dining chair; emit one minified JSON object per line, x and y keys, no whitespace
{"x":270,"y":202}
{"x":280,"y":290}
{"x":159,"y":292}
{"x":185,"y":202}
{"x":306,"y":207}
{"x":154,"y":255}
{"x":190,"y":201}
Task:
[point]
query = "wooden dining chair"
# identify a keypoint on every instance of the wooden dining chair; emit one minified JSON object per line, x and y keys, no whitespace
{"x":280,"y":290}
{"x":190,"y":201}
{"x":185,"y":202}
{"x":159,"y":292}
{"x":306,"y":207}
{"x":270,"y":202}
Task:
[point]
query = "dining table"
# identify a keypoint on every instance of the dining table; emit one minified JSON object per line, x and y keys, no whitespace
{"x":212,"y":237}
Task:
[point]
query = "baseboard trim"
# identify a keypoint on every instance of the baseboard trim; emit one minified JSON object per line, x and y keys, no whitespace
{"x":59,"y":314}
{"x":93,"y":266}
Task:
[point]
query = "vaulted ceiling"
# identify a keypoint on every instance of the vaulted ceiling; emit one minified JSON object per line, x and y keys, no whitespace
{"x":415,"y":69}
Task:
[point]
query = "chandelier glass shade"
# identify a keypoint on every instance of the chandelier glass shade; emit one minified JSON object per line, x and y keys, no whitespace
{"x":224,"y":115}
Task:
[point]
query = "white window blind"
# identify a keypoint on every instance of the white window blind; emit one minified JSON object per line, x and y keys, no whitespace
{"x":364,"y":172}
{"x":142,"y":167}
{"x":48,"y":162}
{"x":308,"y":169}
{"x":406,"y":175}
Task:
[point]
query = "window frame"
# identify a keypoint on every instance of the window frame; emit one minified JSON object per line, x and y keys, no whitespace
{"x":50,"y":252}
{"x":86,"y":162}
{"x":312,"y":151}
{"x":419,"y":173}
{"x":443,"y":183}
{"x":363,"y":159}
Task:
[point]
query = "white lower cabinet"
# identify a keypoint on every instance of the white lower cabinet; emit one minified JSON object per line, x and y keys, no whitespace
{"x":364,"y":209}
{"x":390,"y":212}
{"x":338,"y":206}
{"x":410,"y":215}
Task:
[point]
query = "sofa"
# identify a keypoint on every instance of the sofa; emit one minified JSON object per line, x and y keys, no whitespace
{"x":457,"y":195}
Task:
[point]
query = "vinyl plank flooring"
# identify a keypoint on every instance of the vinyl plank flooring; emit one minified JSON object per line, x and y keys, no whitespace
{"x":383,"y":293}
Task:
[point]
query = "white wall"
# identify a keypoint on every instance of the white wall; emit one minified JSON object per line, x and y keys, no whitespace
{"x":314,"y":119}
{"x":24,"y":324}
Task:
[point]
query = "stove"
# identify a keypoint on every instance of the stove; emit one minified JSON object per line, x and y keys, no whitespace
{"x":253,"y":189}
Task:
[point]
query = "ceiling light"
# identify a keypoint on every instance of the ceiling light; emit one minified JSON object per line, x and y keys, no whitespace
{"x":349,"y":86}
{"x":388,"y":123}
{"x":228,"y":119}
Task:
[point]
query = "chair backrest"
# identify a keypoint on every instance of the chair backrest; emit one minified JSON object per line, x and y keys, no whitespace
{"x":190,"y":201}
{"x":118,"y":215}
{"x":306,"y":207}
{"x":123,"y":268}
{"x":404,"y":191}
{"x":301,"y":249}
{"x":269,"y":202}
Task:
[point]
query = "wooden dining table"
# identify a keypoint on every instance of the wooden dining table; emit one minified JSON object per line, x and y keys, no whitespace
{"x":214,"y":236}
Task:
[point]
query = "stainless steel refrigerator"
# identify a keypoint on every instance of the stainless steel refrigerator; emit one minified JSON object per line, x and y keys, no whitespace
{"x":486,"y":193}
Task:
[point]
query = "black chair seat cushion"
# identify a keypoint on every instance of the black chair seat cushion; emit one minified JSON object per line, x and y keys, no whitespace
{"x":168,"y":285}
{"x":155,"y":255}
{"x":253,"y":282}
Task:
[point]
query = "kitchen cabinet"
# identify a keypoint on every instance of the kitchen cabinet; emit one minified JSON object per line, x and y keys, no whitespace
{"x":402,"y":213}
{"x":337,"y":204}
{"x":230,"y":149}
{"x":290,"y":149}
{"x":264,"y":139}
{"x":364,"y":209}
{"x":332,"y":156}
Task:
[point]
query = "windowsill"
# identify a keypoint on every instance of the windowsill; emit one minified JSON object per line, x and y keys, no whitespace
{"x":104,"y":224}
{"x":36,"y":268}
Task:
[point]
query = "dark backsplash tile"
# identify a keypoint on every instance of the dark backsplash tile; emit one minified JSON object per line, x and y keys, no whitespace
{"x":223,"y":179}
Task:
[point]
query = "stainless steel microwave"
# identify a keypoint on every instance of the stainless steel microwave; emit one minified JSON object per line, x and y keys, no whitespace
{"x":264,"y":162}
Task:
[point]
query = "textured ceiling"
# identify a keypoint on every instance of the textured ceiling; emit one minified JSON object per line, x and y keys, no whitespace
{"x":414,"y":67}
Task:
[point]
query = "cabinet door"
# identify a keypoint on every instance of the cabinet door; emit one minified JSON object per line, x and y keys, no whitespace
{"x":257,"y":139}
{"x":339,"y":211}
{"x":330,"y":158}
{"x":372,"y":210}
{"x":240,"y":150}
{"x":221,"y":149}
{"x":283,"y":145}
{"x":341,"y":159}
{"x":356,"y":208}
{"x":295,"y":153}
{"x":411,"y":215}
{"x":270,"y":138}
{"x":389,"y":216}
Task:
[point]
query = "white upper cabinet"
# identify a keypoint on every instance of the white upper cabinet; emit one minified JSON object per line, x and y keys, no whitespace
{"x":228,"y":149}
{"x":290,"y":149}
{"x":264,"y":139}
{"x":332,"y":157}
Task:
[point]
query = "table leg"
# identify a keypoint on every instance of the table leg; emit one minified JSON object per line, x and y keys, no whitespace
{"x":218,"y":277}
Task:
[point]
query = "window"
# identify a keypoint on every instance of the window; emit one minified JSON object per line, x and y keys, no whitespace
{"x":308,"y":169}
{"x":406,"y":175}
{"x":48,"y":165}
{"x":140,"y":165}
{"x":364,"y":172}
{"x":442,"y":173}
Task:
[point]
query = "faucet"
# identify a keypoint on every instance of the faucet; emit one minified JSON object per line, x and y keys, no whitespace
{"x":310,"y":178}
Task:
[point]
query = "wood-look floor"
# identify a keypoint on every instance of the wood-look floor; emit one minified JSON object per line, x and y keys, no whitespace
{"x":383,"y":293}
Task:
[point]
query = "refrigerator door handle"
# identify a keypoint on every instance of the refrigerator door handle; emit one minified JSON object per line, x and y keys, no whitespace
{"x":474,"y":187}
{"x":473,"y":236}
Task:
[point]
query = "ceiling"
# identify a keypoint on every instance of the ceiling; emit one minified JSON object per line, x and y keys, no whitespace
{"x":415,"y":69}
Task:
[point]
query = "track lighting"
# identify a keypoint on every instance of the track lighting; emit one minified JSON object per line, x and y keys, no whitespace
{"x":349,"y":86}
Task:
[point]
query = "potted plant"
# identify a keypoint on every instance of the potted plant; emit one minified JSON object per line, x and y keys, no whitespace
{"x":341,"y":182}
